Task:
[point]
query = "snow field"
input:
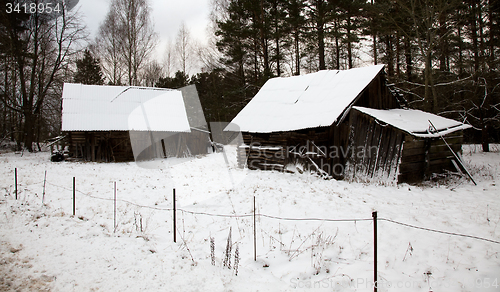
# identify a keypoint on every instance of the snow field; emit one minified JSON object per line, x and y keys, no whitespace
{"x":59,"y":252}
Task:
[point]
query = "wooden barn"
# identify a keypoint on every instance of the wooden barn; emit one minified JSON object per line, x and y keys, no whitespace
{"x":303,"y":123}
{"x":123,"y":123}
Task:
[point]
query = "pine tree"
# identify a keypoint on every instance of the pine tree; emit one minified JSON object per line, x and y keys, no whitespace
{"x":233,"y":41}
{"x":88,"y":70}
{"x":353,"y":18}
{"x":295,"y":23}
{"x":180,"y":80}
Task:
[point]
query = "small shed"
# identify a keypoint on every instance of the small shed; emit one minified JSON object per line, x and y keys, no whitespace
{"x":401,"y":145}
{"x":302,"y":123}
{"x":124,"y":123}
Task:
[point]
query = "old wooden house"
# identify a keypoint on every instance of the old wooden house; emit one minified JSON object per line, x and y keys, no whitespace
{"x":307,"y":122}
{"x":124,"y":123}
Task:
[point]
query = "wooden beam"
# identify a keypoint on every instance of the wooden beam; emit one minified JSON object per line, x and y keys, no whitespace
{"x":92,"y":141}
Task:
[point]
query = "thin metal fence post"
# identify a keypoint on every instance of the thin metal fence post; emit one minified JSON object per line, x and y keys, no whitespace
{"x":44,"y":181}
{"x":254,"y":233}
{"x":74,"y":203}
{"x":114,"y":212}
{"x":15,"y":175}
{"x":175,"y":223}
{"x":375,"y":283}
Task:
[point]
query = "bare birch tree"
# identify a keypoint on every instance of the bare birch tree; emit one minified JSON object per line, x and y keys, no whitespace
{"x":169,"y":59}
{"x":40,"y":51}
{"x":152,"y":73}
{"x":108,"y":46}
{"x":183,"y":48}
{"x":128,"y":31}
{"x":139,"y":36}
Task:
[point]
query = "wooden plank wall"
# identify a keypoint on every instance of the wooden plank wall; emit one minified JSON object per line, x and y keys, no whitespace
{"x":116,"y":146}
{"x":102,"y":146}
{"x":338,"y":141}
{"x":148,"y":145}
{"x":440,"y":156}
{"x":168,"y":144}
{"x":423,"y":157}
{"x":413,"y":160}
{"x":377,"y":95}
{"x":395,"y":154}
{"x":374,"y":148}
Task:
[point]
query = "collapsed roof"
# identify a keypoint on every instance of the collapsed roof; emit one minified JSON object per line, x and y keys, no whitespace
{"x":415,"y":122}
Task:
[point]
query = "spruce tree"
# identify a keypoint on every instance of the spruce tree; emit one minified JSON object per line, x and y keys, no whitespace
{"x":88,"y":70}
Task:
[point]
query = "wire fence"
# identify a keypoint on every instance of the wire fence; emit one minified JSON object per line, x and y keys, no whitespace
{"x":252,"y":215}
{"x":261,"y":214}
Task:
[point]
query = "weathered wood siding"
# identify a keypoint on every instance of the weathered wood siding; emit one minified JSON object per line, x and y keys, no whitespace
{"x":375,"y":149}
{"x":105,"y":146}
{"x":423,"y":157}
{"x":394,"y":154}
{"x":116,"y":146}
{"x":377,"y":95}
{"x":273,"y":151}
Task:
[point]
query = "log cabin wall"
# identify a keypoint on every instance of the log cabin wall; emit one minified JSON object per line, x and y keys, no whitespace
{"x":274,"y":151}
{"x":310,"y":149}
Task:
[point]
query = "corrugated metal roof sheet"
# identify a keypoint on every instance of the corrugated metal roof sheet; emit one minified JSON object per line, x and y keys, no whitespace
{"x":301,"y":102}
{"x":415,"y":122}
{"x":122,"y":108}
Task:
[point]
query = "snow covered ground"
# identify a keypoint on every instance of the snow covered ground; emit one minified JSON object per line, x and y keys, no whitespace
{"x":44,"y":248}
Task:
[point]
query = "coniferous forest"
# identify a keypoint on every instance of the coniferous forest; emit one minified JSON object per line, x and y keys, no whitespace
{"x":442,"y":55}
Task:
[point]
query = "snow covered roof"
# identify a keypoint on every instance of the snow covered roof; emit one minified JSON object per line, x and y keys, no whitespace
{"x":122,"y":108}
{"x":301,"y":102}
{"x":415,"y":122}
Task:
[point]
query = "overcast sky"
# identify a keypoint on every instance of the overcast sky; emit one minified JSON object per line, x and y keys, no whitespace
{"x":167,"y":17}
